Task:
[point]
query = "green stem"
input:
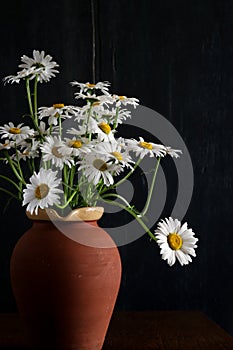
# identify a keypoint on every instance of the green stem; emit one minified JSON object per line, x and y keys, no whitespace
{"x":21,"y":179}
{"x":116,"y":196}
{"x":19,"y":166}
{"x":60,"y":126}
{"x":32,"y":114}
{"x":129,"y":173}
{"x":11,"y":181}
{"x":116,"y":117}
{"x":67,"y":202}
{"x":151,"y":188}
{"x":35,"y":100}
{"x":134,"y":215}
{"x":88,"y":119}
{"x":9,"y":193}
{"x":29,"y":98}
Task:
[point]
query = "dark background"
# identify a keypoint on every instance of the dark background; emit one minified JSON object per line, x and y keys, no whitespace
{"x":177,"y":58}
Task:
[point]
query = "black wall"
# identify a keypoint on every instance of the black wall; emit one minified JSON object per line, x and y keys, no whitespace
{"x":176,"y":56}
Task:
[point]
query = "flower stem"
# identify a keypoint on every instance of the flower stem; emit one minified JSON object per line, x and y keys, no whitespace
{"x":35,"y":100}
{"x":9,"y":193}
{"x":129,"y":173}
{"x":116,"y":117}
{"x":88,"y":119}
{"x":117,"y":196}
{"x":11,"y":181}
{"x":151,"y":188}
{"x":67,"y":202}
{"x":130,"y":211}
{"x":21,"y":179}
{"x":32,"y":114}
{"x":29,"y":98}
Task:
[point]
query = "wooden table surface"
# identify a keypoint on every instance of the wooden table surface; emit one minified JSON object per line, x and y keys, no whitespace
{"x":151,"y":330}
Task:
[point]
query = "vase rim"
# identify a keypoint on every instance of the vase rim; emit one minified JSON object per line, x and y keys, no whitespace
{"x":78,"y":214}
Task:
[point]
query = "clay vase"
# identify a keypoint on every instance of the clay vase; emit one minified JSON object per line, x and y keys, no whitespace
{"x":65,"y":276}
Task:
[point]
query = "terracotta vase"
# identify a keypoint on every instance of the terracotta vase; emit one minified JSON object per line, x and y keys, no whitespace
{"x":65,"y":275}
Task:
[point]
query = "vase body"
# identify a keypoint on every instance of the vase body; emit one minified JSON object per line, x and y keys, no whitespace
{"x":65,"y":291}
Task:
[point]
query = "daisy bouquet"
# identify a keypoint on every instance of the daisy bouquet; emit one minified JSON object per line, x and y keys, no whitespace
{"x":70,"y":156}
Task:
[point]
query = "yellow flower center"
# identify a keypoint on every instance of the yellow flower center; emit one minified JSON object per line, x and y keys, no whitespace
{"x":117,"y":155}
{"x":56,"y":152}
{"x":15,"y":130}
{"x":75,"y":144}
{"x":41,"y":191}
{"x":175,"y":241}
{"x":146,"y":145}
{"x":58,"y":105}
{"x":90,"y":85}
{"x":25,"y":153}
{"x":121,"y":97}
{"x":105,"y":127}
{"x":96,"y":104}
{"x":100,"y":165}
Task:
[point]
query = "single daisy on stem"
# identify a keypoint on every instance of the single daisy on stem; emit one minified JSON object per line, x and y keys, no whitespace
{"x":42,"y":191}
{"x":176,"y":241}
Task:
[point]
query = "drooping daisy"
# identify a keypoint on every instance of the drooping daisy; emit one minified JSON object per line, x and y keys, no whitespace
{"x":40,"y":65}
{"x":45,"y":131}
{"x":20,"y":75}
{"x":103,"y":130}
{"x":113,"y":115}
{"x":56,"y":111}
{"x":173,"y":152}
{"x":143,"y":148}
{"x":50,"y":151}
{"x":84,"y":87}
{"x":75,"y":146}
{"x":94,"y":100}
{"x":114,"y":150}
{"x":42,"y":191}
{"x":96,"y":167}
{"x":7,"y":145}
{"x":176,"y":241}
{"x":16,"y":133}
{"x":122,"y":114}
{"x":96,"y":108}
{"x":29,"y":150}
{"x":124,"y":100}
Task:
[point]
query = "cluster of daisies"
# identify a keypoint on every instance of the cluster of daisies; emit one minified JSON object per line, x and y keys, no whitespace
{"x":71,"y":155}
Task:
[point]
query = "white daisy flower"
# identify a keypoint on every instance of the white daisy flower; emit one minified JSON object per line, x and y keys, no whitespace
{"x":20,"y":75}
{"x":7,"y":145}
{"x":172,"y":152}
{"x":57,"y":110}
{"x":96,"y":167}
{"x":103,"y":130}
{"x":124,"y":100}
{"x":46,"y":131}
{"x":16,"y":133}
{"x":50,"y":151}
{"x":40,"y":66}
{"x":42,"y":191}
{"x":29,"y":150}
{"x":115,"y":152}
{"x":175,"y":241}
{"x":84,"y":87}
{"x":102,"y":100}
{"x":143,"y":148}
{"x":75,"y":146}
{"x":109,"y":116}
{"x":122,"y":114}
